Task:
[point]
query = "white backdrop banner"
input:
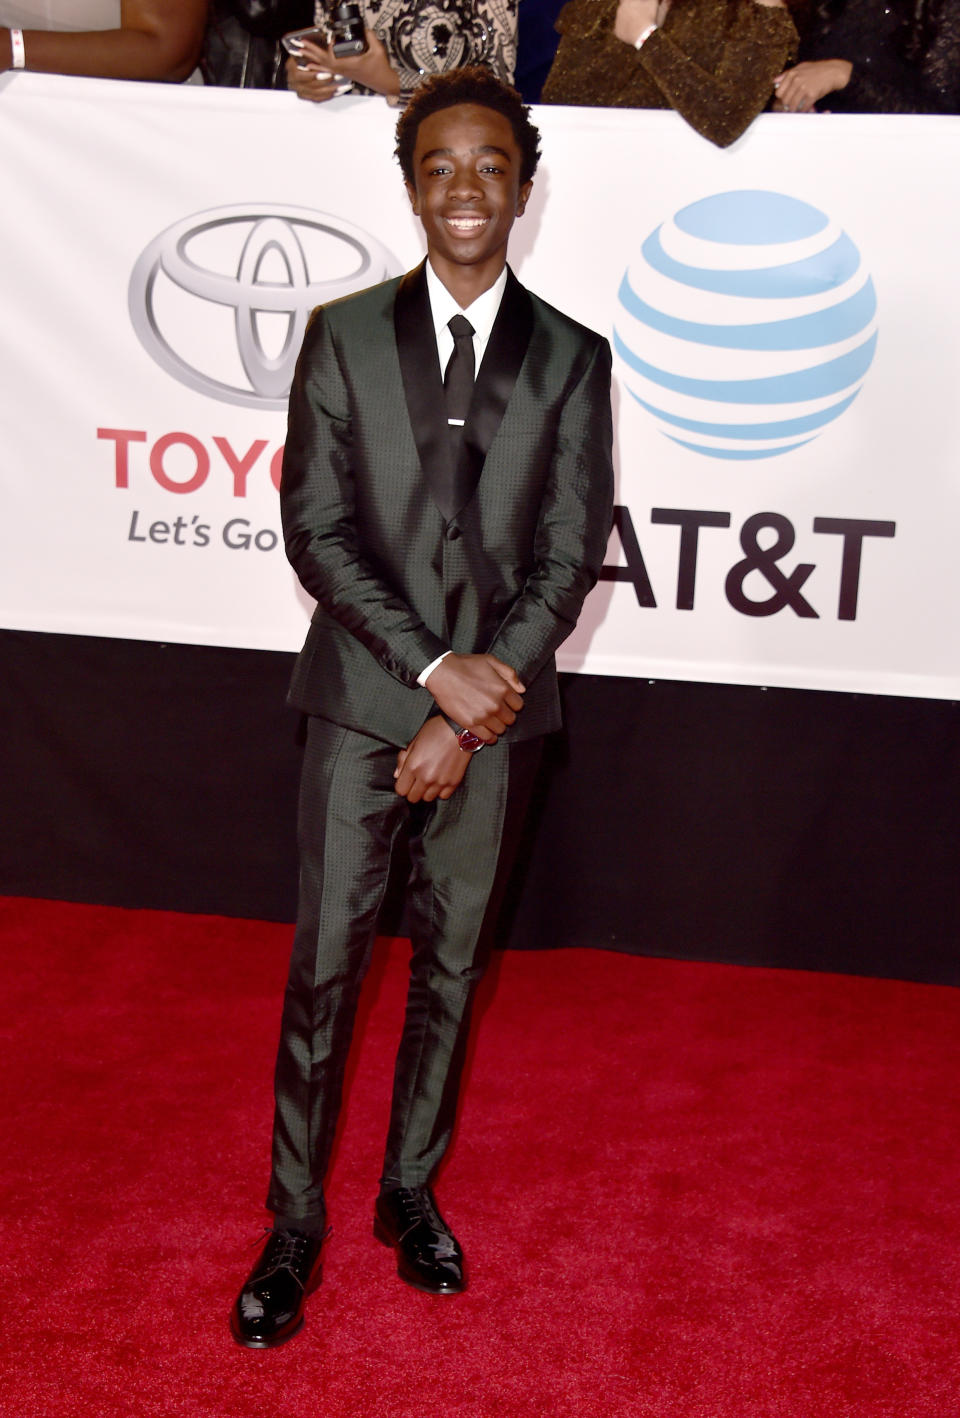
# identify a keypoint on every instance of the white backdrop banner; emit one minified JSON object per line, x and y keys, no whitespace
{"x":784,"y":316}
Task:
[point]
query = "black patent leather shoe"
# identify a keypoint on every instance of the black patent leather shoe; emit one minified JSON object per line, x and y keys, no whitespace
{"x":428,"y":1256}
{"x":269,"y":1308}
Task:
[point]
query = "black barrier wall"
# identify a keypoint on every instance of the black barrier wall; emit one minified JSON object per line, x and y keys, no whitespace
{"x":765,"y":827}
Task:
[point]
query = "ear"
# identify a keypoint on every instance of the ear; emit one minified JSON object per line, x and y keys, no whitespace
{"x":412,"y":194}
{"x":524,"y":197}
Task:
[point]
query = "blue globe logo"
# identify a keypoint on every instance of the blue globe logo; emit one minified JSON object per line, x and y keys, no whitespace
{"x":748,"y":325}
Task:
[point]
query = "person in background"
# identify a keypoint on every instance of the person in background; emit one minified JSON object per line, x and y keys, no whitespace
{"x":714,"y":61}
{"x":103,"y":39}
{"x":242,"y":46}
{"x":408,"y":40}
{"x":877,"y":56}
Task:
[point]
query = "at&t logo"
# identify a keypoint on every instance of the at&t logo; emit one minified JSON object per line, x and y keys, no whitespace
{"x":221,"y":299}
{"x":747,"y":325}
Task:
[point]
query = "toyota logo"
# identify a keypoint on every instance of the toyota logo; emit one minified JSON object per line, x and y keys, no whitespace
{"x":221,"y":299}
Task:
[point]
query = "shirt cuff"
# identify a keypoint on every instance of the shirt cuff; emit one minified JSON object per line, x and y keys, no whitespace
{"x":424,"y":675}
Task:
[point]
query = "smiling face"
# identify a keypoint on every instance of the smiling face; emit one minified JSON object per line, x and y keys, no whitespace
{"x":467,"y":193}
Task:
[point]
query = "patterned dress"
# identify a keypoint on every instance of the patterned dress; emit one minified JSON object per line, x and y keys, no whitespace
{"x":424,"y":37}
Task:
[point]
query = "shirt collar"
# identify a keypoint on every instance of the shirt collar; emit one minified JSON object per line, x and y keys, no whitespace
{"x":481,"y":314}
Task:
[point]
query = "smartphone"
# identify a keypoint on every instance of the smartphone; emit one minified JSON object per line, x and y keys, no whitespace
{"x":293,"y":42}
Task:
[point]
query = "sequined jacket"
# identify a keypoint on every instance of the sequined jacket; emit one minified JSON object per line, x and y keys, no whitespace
{"x":714,"y":61}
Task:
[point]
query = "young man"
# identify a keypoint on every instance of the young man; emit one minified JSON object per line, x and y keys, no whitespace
{"x":449,"y":528}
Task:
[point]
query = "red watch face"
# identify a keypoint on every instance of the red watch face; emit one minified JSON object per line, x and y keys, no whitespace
{"x":469,"y":742}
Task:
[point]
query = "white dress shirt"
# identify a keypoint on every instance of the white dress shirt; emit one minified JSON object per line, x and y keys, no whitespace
{"x":481,"y":314}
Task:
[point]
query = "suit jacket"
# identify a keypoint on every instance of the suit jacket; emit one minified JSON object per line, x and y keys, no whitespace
{"x":398,"y":579}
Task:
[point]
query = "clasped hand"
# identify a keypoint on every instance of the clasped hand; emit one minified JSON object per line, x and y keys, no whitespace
{"x":432,"y":765}
{"x":479,"y":692}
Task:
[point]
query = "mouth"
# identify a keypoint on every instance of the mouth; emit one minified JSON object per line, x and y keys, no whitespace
{"x":466,"y":224}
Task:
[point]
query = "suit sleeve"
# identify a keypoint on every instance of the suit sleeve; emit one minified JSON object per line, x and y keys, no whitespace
{"x":572,"y":528}
{"x":318,"y":510}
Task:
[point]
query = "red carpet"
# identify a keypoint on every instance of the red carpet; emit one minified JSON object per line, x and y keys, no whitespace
{"x":685,"y":1191}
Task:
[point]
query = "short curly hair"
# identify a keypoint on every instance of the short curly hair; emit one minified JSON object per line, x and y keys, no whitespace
{"x":472,"y":84}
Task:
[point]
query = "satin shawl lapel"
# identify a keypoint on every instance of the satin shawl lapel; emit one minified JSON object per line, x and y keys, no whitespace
{"x":423,"y":384}
{"x":498,"y":372}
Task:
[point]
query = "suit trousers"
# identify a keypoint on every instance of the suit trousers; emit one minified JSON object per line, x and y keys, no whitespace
{"x":461,"y":852}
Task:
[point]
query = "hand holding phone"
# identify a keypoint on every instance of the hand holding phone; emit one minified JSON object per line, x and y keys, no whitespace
{"x":294,"y":41}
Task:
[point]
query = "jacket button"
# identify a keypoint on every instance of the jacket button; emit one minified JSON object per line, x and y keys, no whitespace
{"x":453,"y":532}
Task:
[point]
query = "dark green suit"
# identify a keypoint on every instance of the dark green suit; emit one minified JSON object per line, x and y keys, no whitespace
{"x":400,"y":575}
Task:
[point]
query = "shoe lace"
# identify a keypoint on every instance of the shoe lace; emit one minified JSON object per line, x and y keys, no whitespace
{"x":290,"y":1246}
{"x":417,"y":1206}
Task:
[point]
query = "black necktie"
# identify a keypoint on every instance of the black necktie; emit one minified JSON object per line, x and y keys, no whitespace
{"x":458,"y":378}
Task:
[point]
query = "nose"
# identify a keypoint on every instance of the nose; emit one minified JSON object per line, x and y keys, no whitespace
{"x":465,"y":184}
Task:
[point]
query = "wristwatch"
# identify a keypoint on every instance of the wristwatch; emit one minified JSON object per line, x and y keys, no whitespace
{"x":469,"y":742}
